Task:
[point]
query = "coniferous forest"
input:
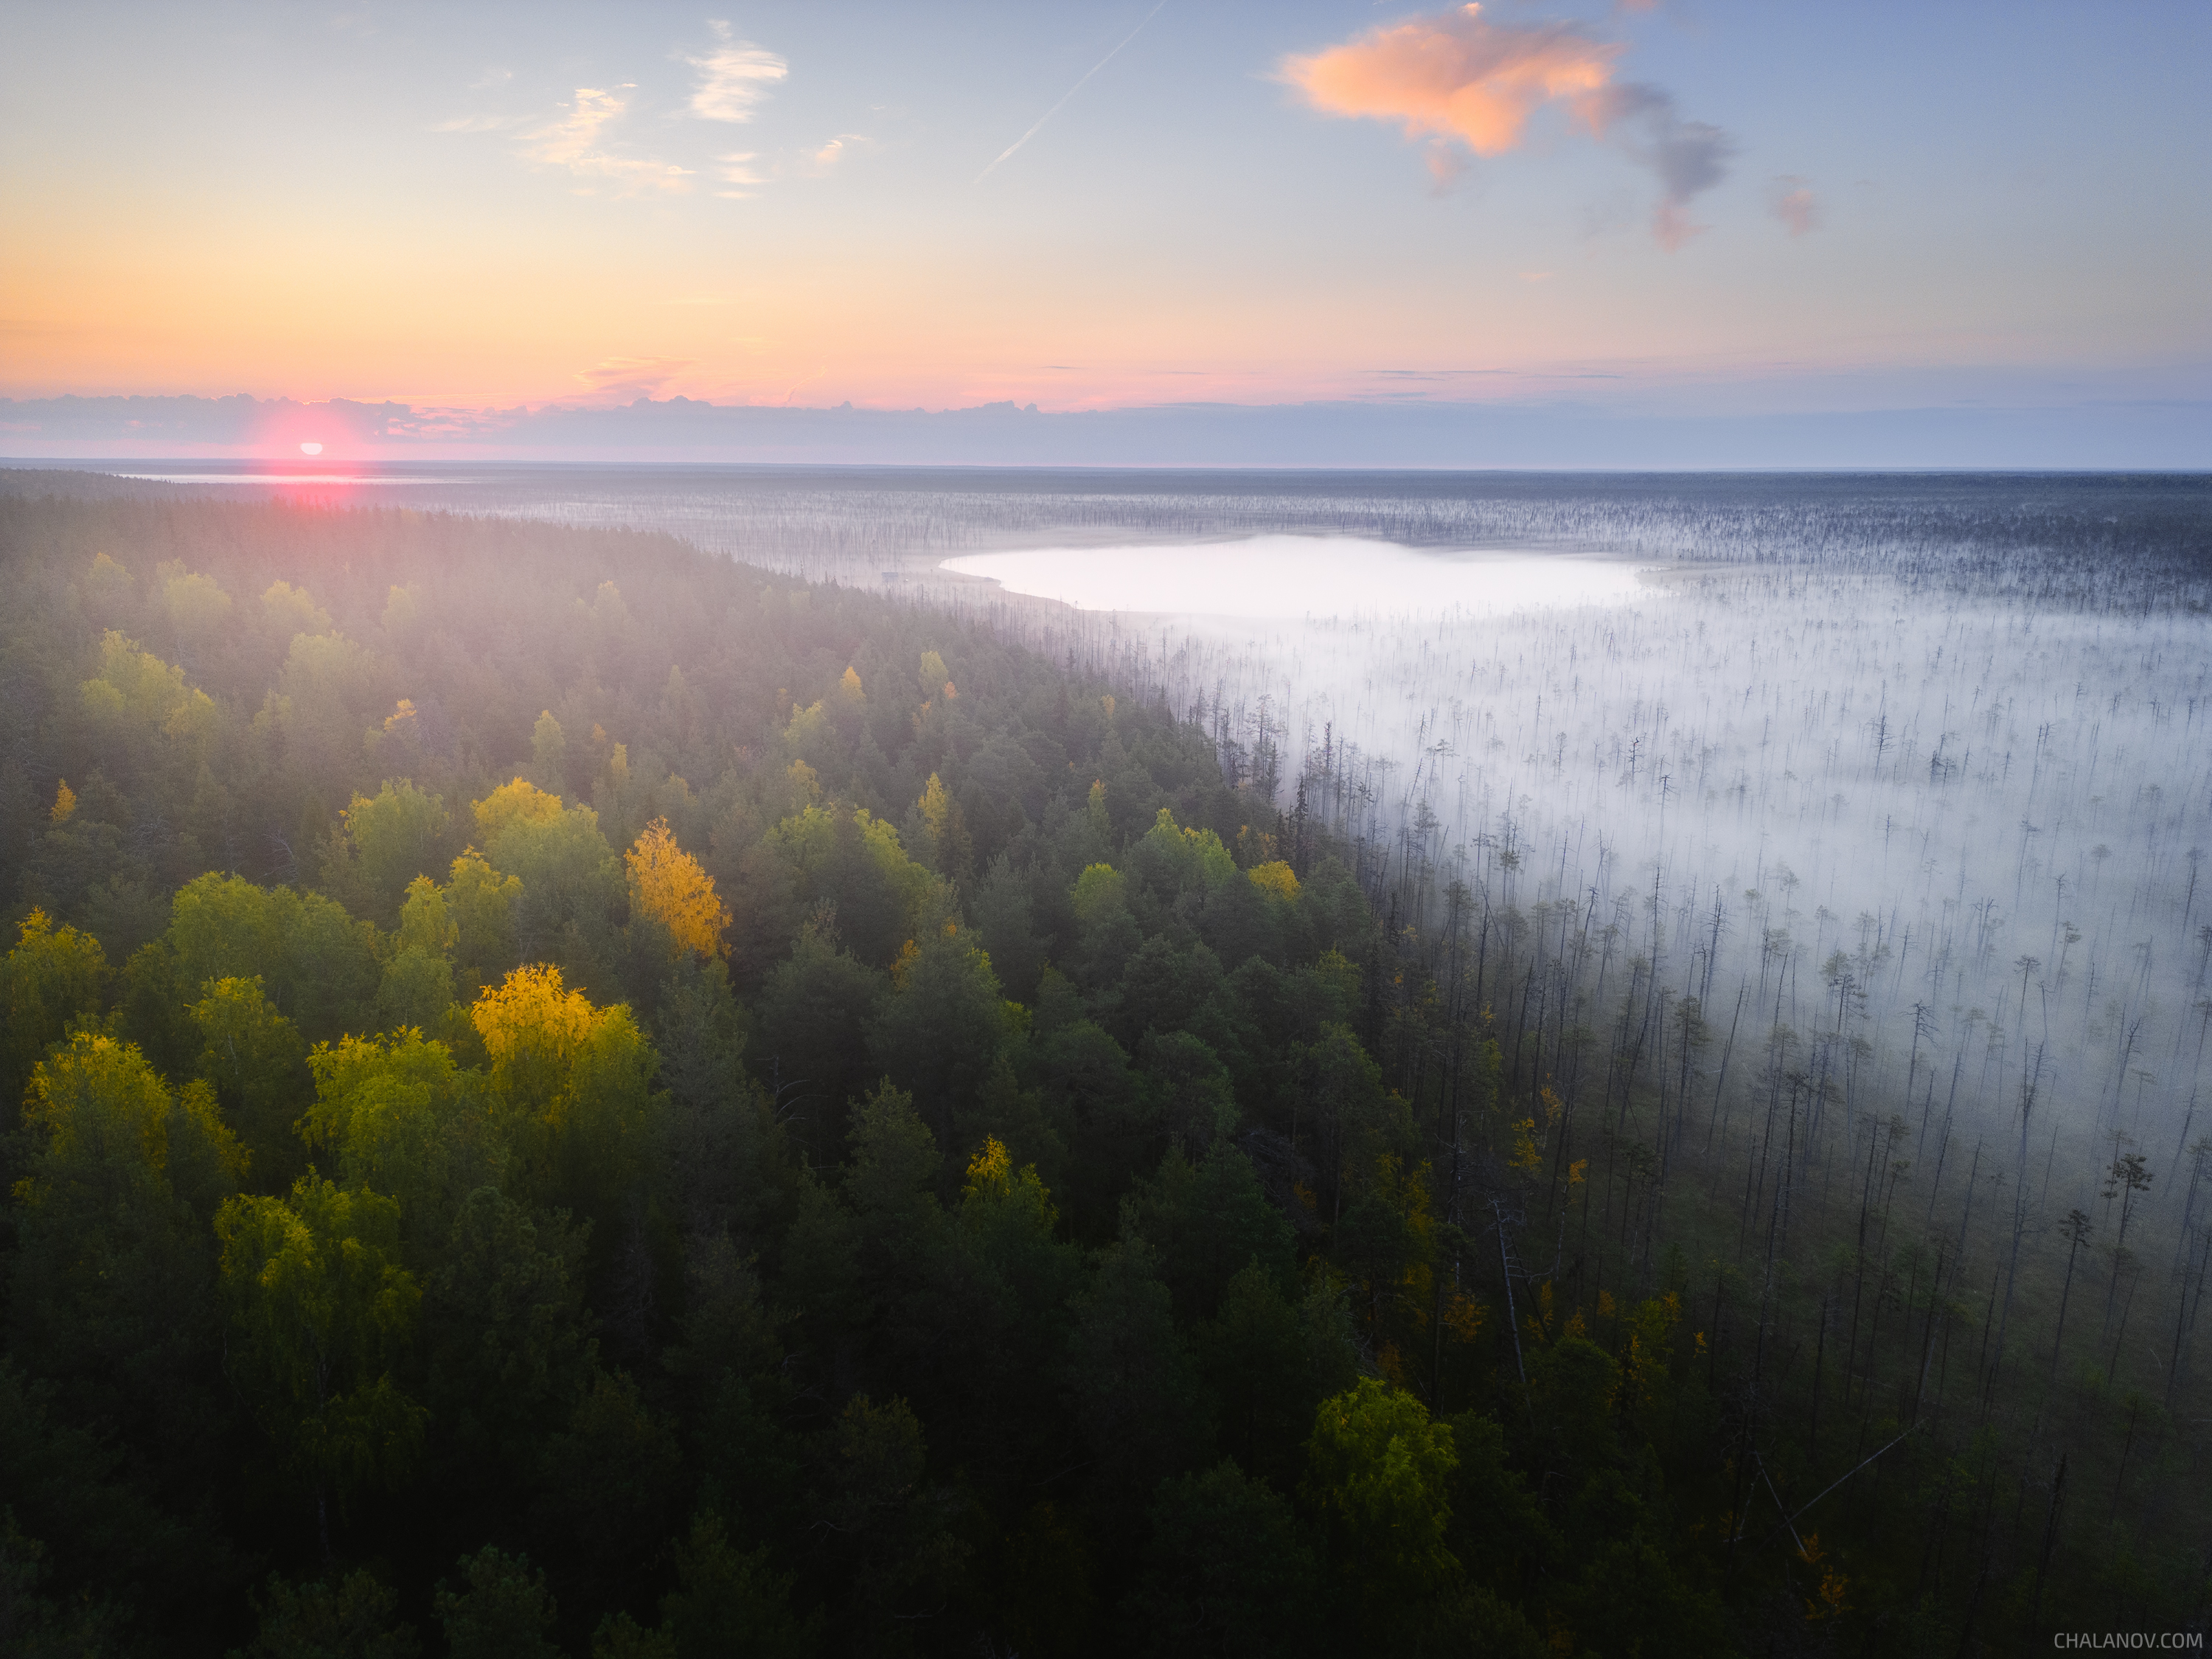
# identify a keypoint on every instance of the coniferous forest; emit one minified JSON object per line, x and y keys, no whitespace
{"x":567,"y":1095}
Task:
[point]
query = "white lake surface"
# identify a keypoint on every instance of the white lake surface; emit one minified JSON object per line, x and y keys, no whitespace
{"x":1302,"y":576}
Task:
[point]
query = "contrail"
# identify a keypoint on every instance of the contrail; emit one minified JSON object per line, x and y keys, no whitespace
{"x":1071,"y":92}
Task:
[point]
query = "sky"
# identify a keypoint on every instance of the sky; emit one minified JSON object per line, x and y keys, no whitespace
{"x":1703,"y":210}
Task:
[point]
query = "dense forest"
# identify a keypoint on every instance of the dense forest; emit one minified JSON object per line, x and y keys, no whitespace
{"x":567,"y":1095}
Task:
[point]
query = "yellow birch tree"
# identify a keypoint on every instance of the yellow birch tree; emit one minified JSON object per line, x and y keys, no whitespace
{"x":666,"y":883}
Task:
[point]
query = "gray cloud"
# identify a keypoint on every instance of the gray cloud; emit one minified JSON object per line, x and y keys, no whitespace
{"x":1687,"y":157}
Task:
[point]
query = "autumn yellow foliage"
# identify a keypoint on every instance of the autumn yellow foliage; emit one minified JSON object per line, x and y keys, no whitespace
{"x":990,"y":1166}
{"x":935,"y":807}
{"x":1526,"y":1154}
{"x":666,"y":883}
{"x":520,"y":802}
{"x":532,"y":1013}
{"x":1276,"y":880}
{"x":1830,"y":1600}
{"x":92,"y":1092}
{"x":143,"y":693}
{"x":568,"y":1086}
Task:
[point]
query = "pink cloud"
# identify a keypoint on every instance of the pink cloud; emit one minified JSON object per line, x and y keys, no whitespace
{"x":1792,"y":201}
{"x":1457,"y":77}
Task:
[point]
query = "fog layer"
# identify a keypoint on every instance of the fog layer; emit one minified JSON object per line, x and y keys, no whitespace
{"x":1938,"y":852}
